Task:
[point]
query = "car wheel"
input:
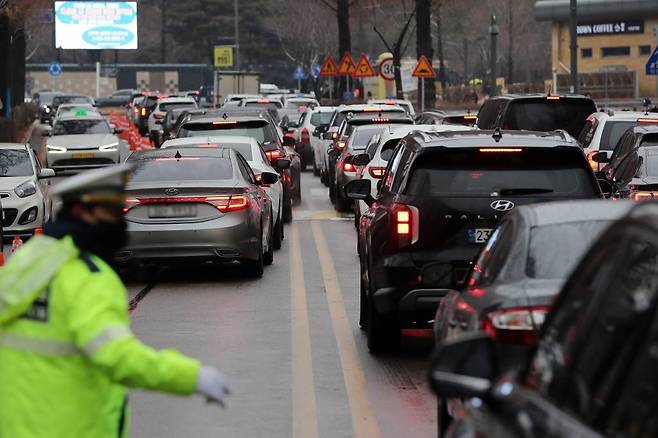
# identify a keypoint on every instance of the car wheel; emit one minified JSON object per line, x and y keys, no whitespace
{"x":363,"y":304}
{"x":302,"y":164}
{"x":268,"y":257}
{"x":278,"y":234}
{"x":255,"y":268}
{"x":383,"y":331}
{"x":287,"y":207}
{"x":324,"y":178}
{"x":443,"y":418}
{"x":332,"y":194}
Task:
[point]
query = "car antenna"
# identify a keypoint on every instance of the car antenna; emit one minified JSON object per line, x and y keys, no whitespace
{"x":497,"y":135}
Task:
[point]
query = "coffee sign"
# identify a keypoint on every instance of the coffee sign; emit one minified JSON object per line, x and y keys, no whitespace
{"x":613,"y":28}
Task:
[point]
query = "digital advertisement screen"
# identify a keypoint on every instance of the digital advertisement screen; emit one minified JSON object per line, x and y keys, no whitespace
{"x":95,"y":25}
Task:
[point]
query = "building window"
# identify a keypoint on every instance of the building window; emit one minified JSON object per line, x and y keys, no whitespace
{"x":615,"y":51}
{"x":645,"y":50}
{"x":585,"y":53}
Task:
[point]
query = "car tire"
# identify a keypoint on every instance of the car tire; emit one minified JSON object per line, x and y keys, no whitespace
{"x":287,"y":207}
{"x":443,"y":419}
{"x":363,"y":304}
{"x":383,"y":331}
{"x":255,"y":268}
{"x":278,"y":234}
{"x":268,"y":257}
{"x":332,"y":193}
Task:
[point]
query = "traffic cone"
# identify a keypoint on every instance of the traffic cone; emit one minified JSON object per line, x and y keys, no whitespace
{"x":16,"y":244}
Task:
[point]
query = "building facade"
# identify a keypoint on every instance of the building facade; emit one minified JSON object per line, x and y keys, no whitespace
{"x":615,"y":40}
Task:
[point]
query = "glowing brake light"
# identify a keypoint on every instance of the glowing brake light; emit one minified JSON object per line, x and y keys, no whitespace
{"x":264,"y":101}
{"x":552,"y":97}
{"x":349,"y":167}
{"x":515,"y":326}
{"x":223,"y":203}
{"x":377,"y":172}
{"x":143,"y":111}
{"x":341,"y":144}
{"x":305,"y":137}
{"x":647,"y":120}
{"x":273,"y":154}
{"x":405,"y":225}
{"x":593,"y":164}
{"x":501,"y":150}
{"x":470,"y":117}
{"x":380,"y":120}
{"x":224,"y":122}
{"x":643,"y":196}
{"x":334,"y":135}
{"x":130,"y":203}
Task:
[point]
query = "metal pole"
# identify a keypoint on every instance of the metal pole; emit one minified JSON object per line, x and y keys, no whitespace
{"x":493,"y":31}
{"x":656,"y":28}
{"x":237,"y":35}
{"x":299,"y":85}
{"x":163,"y":24}
{"x":331,"y":91}
{"x":422,"y":95}
{"x":573,"y":46}
{"x":98,"y":79}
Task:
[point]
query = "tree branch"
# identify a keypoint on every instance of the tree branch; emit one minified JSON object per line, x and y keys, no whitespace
{"x":329,"y":5}
{"x":381,"y":37}
{"x":404,"y":30}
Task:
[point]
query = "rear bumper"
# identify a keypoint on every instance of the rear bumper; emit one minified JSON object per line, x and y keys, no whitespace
{"x":223,"y":239}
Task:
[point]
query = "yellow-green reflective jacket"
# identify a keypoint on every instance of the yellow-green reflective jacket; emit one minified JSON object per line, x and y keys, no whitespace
{"x":66,"y":349}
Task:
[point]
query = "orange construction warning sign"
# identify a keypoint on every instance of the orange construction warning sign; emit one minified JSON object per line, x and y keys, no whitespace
{"x":346,"y":66}
{"x":423,"y":69}
{"x":363,"y":68}
{"x":329,"y":67}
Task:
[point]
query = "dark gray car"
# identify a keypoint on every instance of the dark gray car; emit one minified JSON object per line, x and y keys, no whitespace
{"x":198,"y":203}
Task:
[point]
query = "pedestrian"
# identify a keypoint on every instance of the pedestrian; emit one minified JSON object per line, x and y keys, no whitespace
{"x":67,"y":353}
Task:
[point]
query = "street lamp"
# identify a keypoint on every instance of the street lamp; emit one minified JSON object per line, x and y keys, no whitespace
{"x":493,"y":32}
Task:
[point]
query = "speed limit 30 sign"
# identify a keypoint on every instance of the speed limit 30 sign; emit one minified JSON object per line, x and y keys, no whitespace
{"x":387,"y":70}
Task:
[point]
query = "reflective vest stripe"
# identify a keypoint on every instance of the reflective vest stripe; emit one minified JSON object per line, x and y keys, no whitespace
{"x":105,"y":336}
{"x":40,"y":346}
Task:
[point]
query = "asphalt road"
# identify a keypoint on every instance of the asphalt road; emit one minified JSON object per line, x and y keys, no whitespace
{"x":289,"y":343}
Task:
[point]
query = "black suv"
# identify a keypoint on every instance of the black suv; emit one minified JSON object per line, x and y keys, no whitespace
{"x":439,"y":201}
{"x":536,"y":112}
{"x":593,"y":371}
{"x":251,"y":123}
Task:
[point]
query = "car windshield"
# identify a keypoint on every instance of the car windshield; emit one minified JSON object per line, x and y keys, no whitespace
{"x":556,"y":172}
{"x":263,"y":133}
{"x":15,"y":162}
{"x":77,"y":127}
{"x":168,"y":106}
{"x":47,"y":98}
{"x":319,"y":118}
{"x":183,"y":169}
{"x":555,"y":249}
{"x":612,"y":132}
{"x":544,"y":115}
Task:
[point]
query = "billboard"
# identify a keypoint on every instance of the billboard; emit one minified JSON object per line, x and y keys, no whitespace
{"x":95,"y":25}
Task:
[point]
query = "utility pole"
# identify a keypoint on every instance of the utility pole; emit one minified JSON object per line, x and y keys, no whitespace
{"x":439,"y":43}
{"x":510,"y":42}
{"x":573,"y":46}
{"x":493,"y":32}
{"x":237,"y":34}
{"x":163,"y":26}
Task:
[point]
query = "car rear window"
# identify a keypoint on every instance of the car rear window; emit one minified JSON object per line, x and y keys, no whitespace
{"x":182,"y":169}
{"x":15,"y":162}
{"x":558,"y":172}
{"x":269,"y":105}
{"x":318,"y":119}
{"x":549,"y":115}
{"x":555,"y":249}
{"x":168,"y":106}
{"x":261,"y":131}
{"x":363,"y":135}
{"x":612,"y":132}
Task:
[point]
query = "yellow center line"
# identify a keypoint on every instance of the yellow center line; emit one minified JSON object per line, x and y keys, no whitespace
{"x":363,"y":417}
{"x":304,"y":413}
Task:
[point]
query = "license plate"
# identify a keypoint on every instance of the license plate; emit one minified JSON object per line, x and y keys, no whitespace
{"x":83,"y":155}
{"x":172,"y":211}
{"x":479,"y":235}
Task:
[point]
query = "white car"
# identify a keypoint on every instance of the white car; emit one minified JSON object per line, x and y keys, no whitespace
{"x":602,"y":131}
{"x":81,"y":140}
{"x":301,"y":102}
{"x":381,"y":151}
{"x":407,"y":105}
{"x":253,"y":153}
{"x":160,"y":111}
{"x":306,"y":136}
{"x":23,"y":190}
{"x":238,"y":97}
{"x":75,"y":107}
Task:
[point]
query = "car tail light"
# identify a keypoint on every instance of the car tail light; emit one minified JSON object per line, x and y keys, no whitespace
{"x":552,"y":97}
{"x":643,"y":196}
{"x":593,"y":164}
{"x":349,"y":167}
{"x":515,"y":326}
{"x":144,"y":111}
{"x":306,"y":138}
{"x":501,"y":150}
{"x":380,"y":120}
{"x":289,"y":135}
{"x":376,"y":172}
{"x":334,"y":135}
{"x":224,"y":122}
{"x":405,"y":224}
{"x":647,"y":120}
{"x":273,"y":154}
{"x":223,"y":203}
{"x":158,"y":116}
{"x":340,"y":145}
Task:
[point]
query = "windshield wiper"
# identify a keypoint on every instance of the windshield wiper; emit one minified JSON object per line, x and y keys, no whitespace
{"x":524,"y":191}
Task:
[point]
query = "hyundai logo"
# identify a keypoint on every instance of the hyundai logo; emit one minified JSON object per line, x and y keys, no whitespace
{"x":502,"y":205}
{"x":171,"y":192}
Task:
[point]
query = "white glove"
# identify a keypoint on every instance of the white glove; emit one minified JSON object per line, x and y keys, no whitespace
{"x":212,"y":385}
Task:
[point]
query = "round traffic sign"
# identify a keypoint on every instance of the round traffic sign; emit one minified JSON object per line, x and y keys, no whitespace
{"x":387,"y":69}
{"x":55,"y":69}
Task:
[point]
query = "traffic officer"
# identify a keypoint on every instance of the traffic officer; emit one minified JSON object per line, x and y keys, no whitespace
{"x":67,"y":353}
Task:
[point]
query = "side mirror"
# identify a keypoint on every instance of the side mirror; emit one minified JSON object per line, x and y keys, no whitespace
{"x":359,"y":190}
{"x":289,"y":141}
{"x":282,"y":163}
{"x":600,"y":157}
{"x":361,"y":160}
{"x":386,"y":154}
{"x":465,"y":367}
{"x":46,"y":173}
{"x":627,"y":169}
{"x":268,"y":178}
